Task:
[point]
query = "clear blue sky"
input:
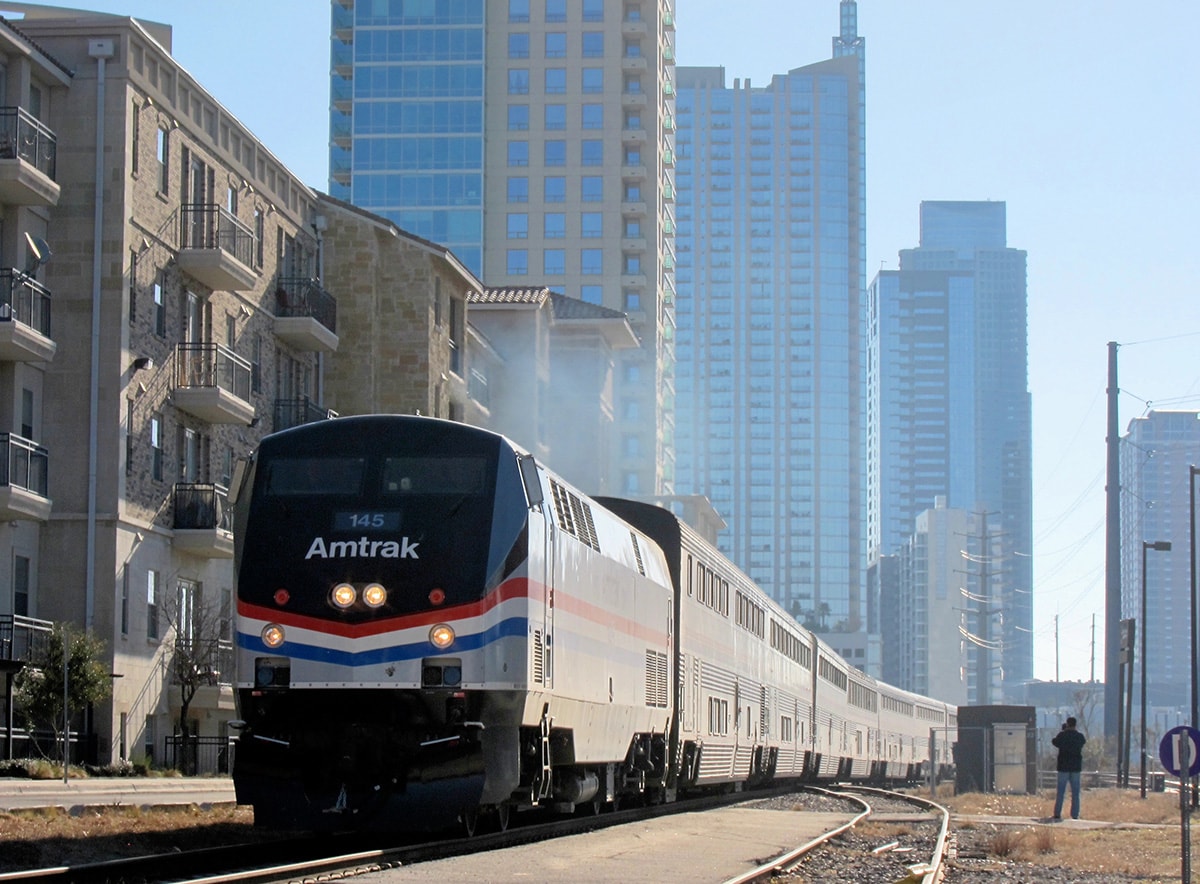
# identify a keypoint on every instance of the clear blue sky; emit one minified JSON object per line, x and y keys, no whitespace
{"x":1083,"y":117}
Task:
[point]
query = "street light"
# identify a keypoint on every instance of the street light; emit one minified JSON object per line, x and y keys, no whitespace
{"x":1157,"y":546}
{"x":1195,"y":648}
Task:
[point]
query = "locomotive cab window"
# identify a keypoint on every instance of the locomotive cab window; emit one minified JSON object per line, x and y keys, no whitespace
{"x":292,"y":476}
{"x":434,"y":475}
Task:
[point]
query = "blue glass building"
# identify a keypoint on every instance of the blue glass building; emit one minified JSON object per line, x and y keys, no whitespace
{"x":534,"y":138}
{"x":770,"y":414}
{"x":950,"y":418}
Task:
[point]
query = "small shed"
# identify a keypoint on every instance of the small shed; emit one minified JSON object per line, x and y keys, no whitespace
{"x":996,"y":749}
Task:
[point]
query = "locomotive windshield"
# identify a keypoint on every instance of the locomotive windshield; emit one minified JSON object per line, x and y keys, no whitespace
{"x":427,"y":515}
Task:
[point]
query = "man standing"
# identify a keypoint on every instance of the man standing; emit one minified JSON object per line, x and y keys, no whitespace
{"x":1069,"y":742}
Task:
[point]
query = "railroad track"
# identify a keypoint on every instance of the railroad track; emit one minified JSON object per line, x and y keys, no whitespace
{"x":892,"y":837}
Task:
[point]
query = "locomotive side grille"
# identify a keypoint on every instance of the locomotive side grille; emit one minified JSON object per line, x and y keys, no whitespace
{"x":538,"y":655}
{"x":562,"y":507}
{"x":574,"y":516}
{"x":584,"y":524}
{"x":637,"y":553}
{"x":656,"y":679}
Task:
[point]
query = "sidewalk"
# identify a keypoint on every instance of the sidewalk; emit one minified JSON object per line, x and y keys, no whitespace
{"x":17,"y":793}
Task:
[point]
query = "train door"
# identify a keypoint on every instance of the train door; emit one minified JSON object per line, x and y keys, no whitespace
{"x":542,"y":539}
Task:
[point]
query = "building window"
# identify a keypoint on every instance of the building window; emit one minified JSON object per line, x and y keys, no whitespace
{"x":633,"y":192}
{"x":518,"y":117}
{"x":554,"y":225}
{"x":518,"y":225}
{"x":593,"y":116}
{"x":156,"y":448}
{"x":518,"y":189}
{"x":591,"y":225}
{"x":591,"y":188}
{"x":160,"y":309}
{"x":163,"y":152}
{"x":256,"y":354}
{"x":593,"y":80}
{"x":556,"y":81}
{"x":593,"y":10}
{"x":633,"y":49}
{"x":518,"y":262}
{"x":631,"y":264}
{"x":153,"y":593}
{"x":136,"y":146}
{"x":592,"y":152}
{"x":556,"y":10}
{"x":149,"y":739}
{"x":633,"y":301}
{"x":556,"y":45}
{"x":128,"y":436}
{"x":591,"y":294}
{"x":518,"y":81}
{"x":633,"y":227}
{"x":633,"y":120}
{"x":632,"y":486}
{"x":133,"y":262}
{"x":125,"y":600}
{"x":554,"y":262}
{"x":556,"y":116}
{"x":633,"y":85}
{"x":518,"y":10}
{"x":633,"y":157}
{"x":555,"y":153}
{"x":518,"y":153}
{"x":518,"y":46}
{"x":591,"y":262}
{"x":555,"y":189}
{"x":593,"y":44}
{"x":21,"y":586}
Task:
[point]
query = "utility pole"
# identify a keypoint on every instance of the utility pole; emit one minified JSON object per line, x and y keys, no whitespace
{"x":1056,"y":678}
{"x":1092,"y":677}
{"x":1112,"y":558}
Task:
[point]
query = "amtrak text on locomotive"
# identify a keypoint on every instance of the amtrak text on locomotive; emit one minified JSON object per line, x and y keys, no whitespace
{"x":363,"y":548}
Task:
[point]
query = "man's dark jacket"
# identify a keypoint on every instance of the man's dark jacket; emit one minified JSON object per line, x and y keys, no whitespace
{"x":1070,"y":750}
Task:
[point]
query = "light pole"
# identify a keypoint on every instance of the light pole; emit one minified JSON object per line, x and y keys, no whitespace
{"x":1195,"y":648}
{"x":1157,"y":546}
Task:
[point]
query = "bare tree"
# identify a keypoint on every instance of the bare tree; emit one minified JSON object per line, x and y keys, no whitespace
{"x":200,"y":630}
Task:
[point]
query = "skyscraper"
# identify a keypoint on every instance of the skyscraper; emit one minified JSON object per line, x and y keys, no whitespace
{"x":771,"y":387}
{"x":950,"y":413}
{"x":534,"y":139}
{"x":1156,"y":456}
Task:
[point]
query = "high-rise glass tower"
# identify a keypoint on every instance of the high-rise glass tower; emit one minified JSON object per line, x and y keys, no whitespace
{"x":771,"y":385}
{"x":1157,"y":454}
{"x":950,"y":417}
{"x":535,"y":139}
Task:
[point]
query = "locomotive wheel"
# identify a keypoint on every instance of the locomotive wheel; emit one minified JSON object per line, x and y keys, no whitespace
{"x":469,"y":818}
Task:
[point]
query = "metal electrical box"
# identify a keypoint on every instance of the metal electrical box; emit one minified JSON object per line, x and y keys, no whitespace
{"x":1009,"y":741}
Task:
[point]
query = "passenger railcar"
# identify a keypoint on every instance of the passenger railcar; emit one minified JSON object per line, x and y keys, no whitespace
{"x":430,"y":623}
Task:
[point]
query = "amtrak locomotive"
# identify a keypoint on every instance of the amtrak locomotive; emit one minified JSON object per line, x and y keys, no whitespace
{"x":432,"y":626}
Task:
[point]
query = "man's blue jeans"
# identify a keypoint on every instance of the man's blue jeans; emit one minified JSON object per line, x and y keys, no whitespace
{"x":1065,"y":777}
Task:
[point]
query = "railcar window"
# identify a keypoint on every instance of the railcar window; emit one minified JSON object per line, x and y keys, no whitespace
{"x":290,"y":476}
{"x":434,"y":475}
{"x":831,"y":673}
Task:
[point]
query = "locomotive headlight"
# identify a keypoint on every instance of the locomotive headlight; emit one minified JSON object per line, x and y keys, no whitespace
{"x":442,"y":635}
{"x":343,"y":595}
{"x":374,"y":595}
{"x":272,"y":635}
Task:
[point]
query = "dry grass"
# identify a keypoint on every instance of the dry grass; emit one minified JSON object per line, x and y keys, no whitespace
{"x":34,"y":838}
{"x":1143,"y":840}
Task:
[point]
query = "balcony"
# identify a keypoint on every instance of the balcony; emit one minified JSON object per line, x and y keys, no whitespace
{"x":212,"y":383}
{"x":633,"y":135}
{"x":634,"y":28}
{"x":634,"y":63}
{"x":668,"y":20}
{"x":28,"y":155}
{"x":305,"y":314}
{"x":203,"y":521}
{"x":23,"y":480}
{"x":294,"y":412}
{"x":635,"y":173}
{"x":342,"y":58}
{"x":341,"y":94}
{"x":633,"y":244}
{"x":24,"y":318}
{"x":634,"y":99}
{"x":21,"y":640}
{"x":216,"y":248}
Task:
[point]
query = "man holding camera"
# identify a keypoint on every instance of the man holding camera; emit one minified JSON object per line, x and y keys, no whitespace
{"x":1069,"y":742}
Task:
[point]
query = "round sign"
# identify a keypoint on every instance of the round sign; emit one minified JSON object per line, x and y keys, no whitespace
{"x":1168,"y":750}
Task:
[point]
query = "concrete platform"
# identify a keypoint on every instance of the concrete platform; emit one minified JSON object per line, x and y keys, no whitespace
{"x":687,"y":848}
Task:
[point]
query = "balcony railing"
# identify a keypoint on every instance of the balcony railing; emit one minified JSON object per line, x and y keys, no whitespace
{"x":23,"y":137}
{"x":302,"y":296}
{"x":22,"y":638}
{"x":214,"y":659}
{"x":212,"y":365}
{"x":294,"y":412}
{"x":24,"y":299}
{"x":25,"y":464}
{"x":201,"y":506}
{"x":207,"y":226}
